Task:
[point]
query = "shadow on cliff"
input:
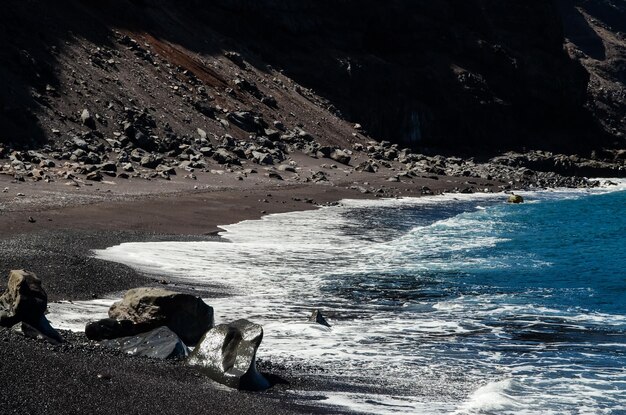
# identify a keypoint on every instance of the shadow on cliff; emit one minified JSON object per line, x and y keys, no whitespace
{"x":459,"y":76}
{"x":579,"y":32}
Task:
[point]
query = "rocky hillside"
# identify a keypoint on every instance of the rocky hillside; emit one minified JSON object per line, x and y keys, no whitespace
{"x":595,"y":33}
{"x":458,"y":77}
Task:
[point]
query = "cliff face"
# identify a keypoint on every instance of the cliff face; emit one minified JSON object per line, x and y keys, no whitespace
{"x":471,"y":76}
{"x":595,"y":32}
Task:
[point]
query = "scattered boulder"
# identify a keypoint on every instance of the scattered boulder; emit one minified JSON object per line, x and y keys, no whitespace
{"x":513,"y":198}
{"x":367,"y":167}
{"x":201,"y":133}
{"x":227,"y":354}
{"x":87,"y":119}
{"x":340,"y":156}
{"x":318,"y":318}
{"x":160,"y":343}
{"x":319,"y":176}
{"x":223,"y":156}
{"x":25,"y":301}
{"x":150,"y":161}
{"x":247,"y":121}
{"x":94,"y":176}
{"x":186,"y":315}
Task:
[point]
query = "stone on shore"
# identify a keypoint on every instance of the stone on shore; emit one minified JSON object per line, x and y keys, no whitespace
{"x":109,"y":328}
{"x":515,"y":199}
{"x":227,"y":354}
{"x":148,"y":308}
{"x":160,"y":343}
{"x":43,"y":331}
{"x":25,"y":301}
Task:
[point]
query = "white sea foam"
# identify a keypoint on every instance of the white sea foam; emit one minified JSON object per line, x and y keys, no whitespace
{"x":389,"y":328}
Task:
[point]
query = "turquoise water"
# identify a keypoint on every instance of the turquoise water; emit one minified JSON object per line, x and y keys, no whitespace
{"x":460,"y":304}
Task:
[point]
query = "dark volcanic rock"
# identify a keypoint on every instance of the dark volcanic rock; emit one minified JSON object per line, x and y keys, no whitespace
{"x":160,"y":343}
{"x":110,"y":328}
{"x":186,"y":315}
{"x":24,"y":299}
{"x":227,"y":354}
{"x":340,"y":156}
{"x":43,"y":331}
{"x":318,"y":318}
{"x":24,"y":303}
{"x":247,"y":121}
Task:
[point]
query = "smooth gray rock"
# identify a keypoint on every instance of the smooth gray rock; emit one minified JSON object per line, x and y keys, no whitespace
{"x":227,"y":354}
{"x":160,"y":343}
{"x":186,"y":315}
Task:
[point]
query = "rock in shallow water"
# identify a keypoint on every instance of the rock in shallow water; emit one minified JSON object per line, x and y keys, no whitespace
{"x":148,"y":308}
{"x":515,"y":199}
{"x":227,"y":354}
{"x":318,"y":318}
{"x":160,"y":343}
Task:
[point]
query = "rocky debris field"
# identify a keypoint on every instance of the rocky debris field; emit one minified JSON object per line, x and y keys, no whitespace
{"x":89,"y":158}
{"x":97,"y":97}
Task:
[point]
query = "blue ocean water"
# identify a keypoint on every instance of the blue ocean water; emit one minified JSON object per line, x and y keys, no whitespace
{"x":461,"y":304}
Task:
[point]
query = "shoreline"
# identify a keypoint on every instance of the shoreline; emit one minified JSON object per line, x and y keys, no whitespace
{"x":59,"y":252}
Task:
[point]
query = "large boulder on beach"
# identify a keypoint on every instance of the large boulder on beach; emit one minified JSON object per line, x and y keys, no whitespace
{"x":227,"y":354}
{"x":160,"y":343}
{"x":23,"y":305}
{"x":148,"y":308}
{"x":23,"y":300}
{"x":109,"y":328}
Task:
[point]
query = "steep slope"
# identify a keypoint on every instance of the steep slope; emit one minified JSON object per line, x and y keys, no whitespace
{"x":458,"y":77}
{"x":595,"y":33}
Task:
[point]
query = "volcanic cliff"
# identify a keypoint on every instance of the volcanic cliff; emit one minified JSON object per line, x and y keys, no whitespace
{"x":456,"y":77}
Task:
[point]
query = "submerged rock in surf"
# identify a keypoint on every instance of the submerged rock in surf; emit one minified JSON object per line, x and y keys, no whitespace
{"x":515,"y":199}
{"x":227,"y":354}
{"x":160,"y":343}
{"x":318,"y":318}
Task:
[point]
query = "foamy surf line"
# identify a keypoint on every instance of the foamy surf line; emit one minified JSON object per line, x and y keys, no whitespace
{"x":372,"y":277}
